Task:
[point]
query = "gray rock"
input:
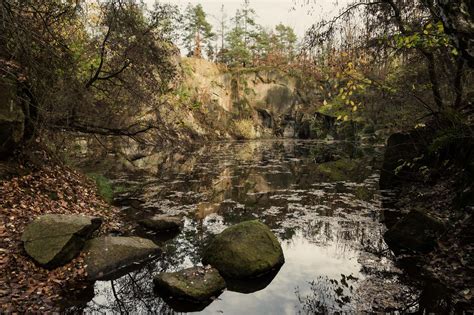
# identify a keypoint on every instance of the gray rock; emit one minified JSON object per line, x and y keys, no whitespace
{"x":12,"y":119}
{"x":110,"y":257}
{"x":162,"y":222}
{"x":193,"y":284}
{"x":53,"y":240}
{"x":416,"y":232}
{"x":248,"y":249}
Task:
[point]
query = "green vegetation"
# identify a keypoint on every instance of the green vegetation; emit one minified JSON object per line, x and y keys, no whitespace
{"x":105,"y":188}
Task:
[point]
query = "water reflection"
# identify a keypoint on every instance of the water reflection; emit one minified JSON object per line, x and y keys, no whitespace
{"x":321,"y":199}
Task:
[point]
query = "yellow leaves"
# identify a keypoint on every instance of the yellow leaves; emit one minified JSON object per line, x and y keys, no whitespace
{"x":354,"y":108}
{"x":440,"y":27}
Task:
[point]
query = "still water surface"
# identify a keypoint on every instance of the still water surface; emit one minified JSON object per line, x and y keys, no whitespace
{"x":321,"y":199}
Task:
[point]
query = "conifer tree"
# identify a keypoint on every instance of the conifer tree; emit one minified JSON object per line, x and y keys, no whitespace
{"x":197,"y":32}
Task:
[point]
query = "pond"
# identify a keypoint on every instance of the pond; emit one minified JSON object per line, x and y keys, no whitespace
{"x":322,"y":201}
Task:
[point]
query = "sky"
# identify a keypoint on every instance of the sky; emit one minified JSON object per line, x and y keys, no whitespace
{"x":299,"y":14}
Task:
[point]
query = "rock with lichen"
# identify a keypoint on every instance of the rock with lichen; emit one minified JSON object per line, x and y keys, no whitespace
{"x":196,"y":284}
{"x":52,"y":240}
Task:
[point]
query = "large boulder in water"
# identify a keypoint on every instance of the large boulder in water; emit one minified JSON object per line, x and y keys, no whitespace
{"x":245,"y":250}
{"x":196,"y":284}
{"x":415,"y":232}
{"x":110,"y":257}
{"x":53,"y":240}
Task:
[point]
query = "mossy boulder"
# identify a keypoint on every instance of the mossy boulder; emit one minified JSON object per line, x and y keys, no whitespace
{"x":53,"y":240}
{"x":416,"y":232}
{"x":162,"y":222}
{"x":110,"y":257}
{"x":196,"y":284}
{"x":245,"y":250}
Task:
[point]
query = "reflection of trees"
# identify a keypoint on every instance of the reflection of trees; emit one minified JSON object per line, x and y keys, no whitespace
{"x":328,"y":295}
{"x":131,"y":294}
{"x":241,"y":181}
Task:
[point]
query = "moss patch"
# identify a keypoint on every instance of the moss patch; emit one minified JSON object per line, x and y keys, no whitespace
{"x":344,"y":169}
{"x":104,"y":186}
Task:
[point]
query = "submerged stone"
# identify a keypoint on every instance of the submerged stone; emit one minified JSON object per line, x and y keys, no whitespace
{"x":196,"y":284}
{"x":53,"y":240}
{"x":161,"y":222}
{"x":252,"y":285}
{"x":110,"y":257}
{"x":245,"y":250}
{"x":416,"y":231}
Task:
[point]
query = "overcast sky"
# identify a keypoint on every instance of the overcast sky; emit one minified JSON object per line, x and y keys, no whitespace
{"x":295,"y":13}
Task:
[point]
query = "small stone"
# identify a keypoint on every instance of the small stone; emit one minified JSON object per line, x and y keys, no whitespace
{"x":162,"y":222}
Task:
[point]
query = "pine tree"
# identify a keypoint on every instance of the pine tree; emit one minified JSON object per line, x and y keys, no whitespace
{"x":237,"y":53}
{"x":247,"y":16}
{"x":263,"y":44}
{"x":197,"y":32}
{"x":241,"y":39}
{"x":285,"y":40}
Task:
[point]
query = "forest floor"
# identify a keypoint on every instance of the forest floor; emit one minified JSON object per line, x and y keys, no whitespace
{"x":36,"y":190}
{"x":451,"y":264}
